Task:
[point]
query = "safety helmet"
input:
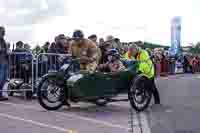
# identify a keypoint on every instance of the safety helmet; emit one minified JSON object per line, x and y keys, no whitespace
{"x":78,"y":34}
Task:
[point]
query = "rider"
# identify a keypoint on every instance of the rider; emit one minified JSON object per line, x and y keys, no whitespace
{"x":146,"y":67}
{"x":113,"y":64}
{"x":86,"y":50}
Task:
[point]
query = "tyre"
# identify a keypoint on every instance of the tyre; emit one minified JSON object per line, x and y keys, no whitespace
{"x":50,"y":94}
{"x":140,"y":93}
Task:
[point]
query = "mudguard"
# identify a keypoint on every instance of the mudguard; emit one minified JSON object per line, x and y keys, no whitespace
{"x":58,"y":76}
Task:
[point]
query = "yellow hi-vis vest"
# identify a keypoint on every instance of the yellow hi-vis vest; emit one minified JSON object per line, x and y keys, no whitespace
{"x":128,"y":56}
{"x":146,"y":66}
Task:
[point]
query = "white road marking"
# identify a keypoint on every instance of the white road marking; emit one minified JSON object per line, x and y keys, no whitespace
{"x":108,"y":124}
{"x":36,"y":123}
{"x":144,"y":122}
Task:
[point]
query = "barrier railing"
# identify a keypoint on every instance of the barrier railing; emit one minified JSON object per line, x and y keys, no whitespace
{"x":47,"y":62}
{"x":20,"y":71}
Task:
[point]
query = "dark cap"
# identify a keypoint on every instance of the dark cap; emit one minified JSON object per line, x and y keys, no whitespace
{"x":92,"y":36}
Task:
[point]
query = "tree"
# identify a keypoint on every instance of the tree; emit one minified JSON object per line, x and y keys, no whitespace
{"x":195,"y":49}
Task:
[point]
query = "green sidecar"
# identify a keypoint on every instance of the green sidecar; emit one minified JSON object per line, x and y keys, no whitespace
{"x":66,"y":86}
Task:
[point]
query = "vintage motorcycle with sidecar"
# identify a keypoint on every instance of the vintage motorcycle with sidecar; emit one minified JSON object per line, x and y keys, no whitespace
{"x":67,"y":86}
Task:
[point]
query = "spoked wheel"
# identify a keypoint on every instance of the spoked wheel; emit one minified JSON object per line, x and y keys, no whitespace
{"x":140,"y":93}
{"x":50,"y":95}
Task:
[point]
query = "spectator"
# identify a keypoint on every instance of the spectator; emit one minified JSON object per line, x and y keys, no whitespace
{"x":101,"y":41}
{"x":52,"y":48}
{"x":157,"y":62}
{"x":45,"y":47}
{"x":61,"y":40}
{"x":67,"y":45}
{"x":37,"y":50}
{"x":3,"y":62}
{"x":194,"y":63}
{"x":27,"y":48}
{"x":19,"y":47}
{"x":198,"y":62}
{"x":186,"y":65}
{"x":164,"y":65}
{"x":117,"y":45}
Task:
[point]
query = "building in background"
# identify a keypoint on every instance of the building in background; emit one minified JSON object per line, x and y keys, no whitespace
{"x":175,"y":36}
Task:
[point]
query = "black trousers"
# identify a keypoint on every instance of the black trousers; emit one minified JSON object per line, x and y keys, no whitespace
{"x":155,"y":91}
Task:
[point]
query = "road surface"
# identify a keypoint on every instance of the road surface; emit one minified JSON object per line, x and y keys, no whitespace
{"x":179,"y":113}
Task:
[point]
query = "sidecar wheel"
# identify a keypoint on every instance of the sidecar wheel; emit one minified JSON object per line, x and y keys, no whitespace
{"x":49,"y":86}
{"x":140,"y":90}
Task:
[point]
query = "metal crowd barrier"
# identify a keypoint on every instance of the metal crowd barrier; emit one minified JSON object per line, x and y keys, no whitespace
{"x":20,"y":71}
{"x":47,"y":62}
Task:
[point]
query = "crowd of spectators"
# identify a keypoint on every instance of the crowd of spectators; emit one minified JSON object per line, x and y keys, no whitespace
{"x":164,"y":63}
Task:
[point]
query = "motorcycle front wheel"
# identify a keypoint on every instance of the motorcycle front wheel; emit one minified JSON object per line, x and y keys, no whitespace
{"x":50,"y":94}
{"x":140,"y":93}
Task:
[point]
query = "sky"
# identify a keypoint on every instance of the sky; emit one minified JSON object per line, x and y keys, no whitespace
{"x":38,"y":21}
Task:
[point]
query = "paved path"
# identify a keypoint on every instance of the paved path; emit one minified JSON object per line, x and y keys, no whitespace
{"x":180,"y":109}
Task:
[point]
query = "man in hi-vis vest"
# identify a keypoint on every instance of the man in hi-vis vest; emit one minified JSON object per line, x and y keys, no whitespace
{"x":146,"y":68}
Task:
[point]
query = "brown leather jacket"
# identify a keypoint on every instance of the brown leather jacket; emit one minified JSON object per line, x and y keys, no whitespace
{"x":87,"y":51}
